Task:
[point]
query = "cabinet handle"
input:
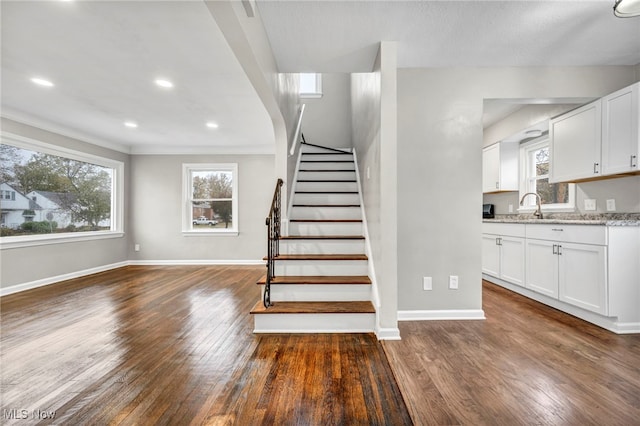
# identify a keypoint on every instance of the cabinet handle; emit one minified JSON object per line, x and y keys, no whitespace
{"x":559,"y":250}
{"x":633,"y":161}
{"x":555,"y":249}
{"x":595,"y":168}
{"x":557,"y":229}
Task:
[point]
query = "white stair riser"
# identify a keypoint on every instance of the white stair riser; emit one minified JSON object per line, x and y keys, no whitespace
{"x":326,"y":166}
{"x":331,"y":213}
{"x":321,"y":267}
{"x":326,"y":199}
{"x":322,"y":247}
{"x":327,"y":175}
{"x":327,"y":157}
{"x":323,"y":150}
{"x":314,"y":323}
{"x":325,"y":228}
{"x":326,"y":186}
{"x":320,"y":293}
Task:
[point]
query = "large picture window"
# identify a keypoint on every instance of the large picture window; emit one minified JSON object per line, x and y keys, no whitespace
{"x":50,"y":194}
{"x":211,"y":198}
{"x":535,"y":178}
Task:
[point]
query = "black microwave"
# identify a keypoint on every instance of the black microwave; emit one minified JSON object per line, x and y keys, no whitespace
{"x":487,"y":211}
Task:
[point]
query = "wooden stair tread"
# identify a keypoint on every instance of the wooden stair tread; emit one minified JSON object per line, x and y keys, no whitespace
{"x":326,"y":205}
{"x":323,"y":237}
{"x":360,"y":307}
{"x":321,"y":257}
{"x":328,"y":180}
{"x":326,"y":192}
{"x":327,"y":153}
{"x":327,"y":220}
{"x":317,"y":279}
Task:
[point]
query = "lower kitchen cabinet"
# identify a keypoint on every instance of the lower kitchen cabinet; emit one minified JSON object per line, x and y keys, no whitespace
{"x":572,"y":273}
{"x":503,"y":254}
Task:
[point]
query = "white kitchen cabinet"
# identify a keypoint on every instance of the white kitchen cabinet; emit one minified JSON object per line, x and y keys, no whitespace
{"x":500,"y":167}
{"x":575,"y":141}
{"x":582,"y":279}
{"x":568,"y":262}
{"x":503,"y":253}
{"x":621,"y":131}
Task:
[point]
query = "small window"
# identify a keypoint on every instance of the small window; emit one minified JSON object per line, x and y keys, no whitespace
{"x":310,"y":85}
{"x":535,"y":178}
{"x":211,"y":198}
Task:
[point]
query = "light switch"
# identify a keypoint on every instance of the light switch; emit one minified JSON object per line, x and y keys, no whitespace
{"x":611,"y":205}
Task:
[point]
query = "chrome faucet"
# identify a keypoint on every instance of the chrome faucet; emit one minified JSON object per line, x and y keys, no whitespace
{"x":538,"y":211}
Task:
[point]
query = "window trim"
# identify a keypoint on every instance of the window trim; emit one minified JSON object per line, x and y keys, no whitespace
{"x":317,"y":93}
{"x":525,"y":149}
{"x":187,"y":226}
{"x":117,"y":198}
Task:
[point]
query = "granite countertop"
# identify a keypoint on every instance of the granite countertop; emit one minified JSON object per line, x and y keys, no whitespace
{"x":606,"y":219}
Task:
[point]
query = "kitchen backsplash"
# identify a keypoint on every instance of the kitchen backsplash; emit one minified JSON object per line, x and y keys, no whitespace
{"x":625,"y":191}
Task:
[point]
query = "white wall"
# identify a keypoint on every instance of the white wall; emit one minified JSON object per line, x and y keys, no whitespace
{"x":374,"y":129}
{"x":29,"y":264}
{"x":156,"y":210}
{"x":327,"y":120}
{"x":440,"y":168}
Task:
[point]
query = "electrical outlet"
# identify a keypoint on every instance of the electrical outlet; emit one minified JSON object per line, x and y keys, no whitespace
{"x":589,"y":204}
{"x":510,"y":208}
{"x":136,"y":247}
{"x":427,"y":283}
{"x":453,"y":282}
{"x":368,"y":173}
{"x":611,"y":205}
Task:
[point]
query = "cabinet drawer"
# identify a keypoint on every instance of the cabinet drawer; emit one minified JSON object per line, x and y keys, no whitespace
{"x":584,"y":234}
{"x":506,"y":229}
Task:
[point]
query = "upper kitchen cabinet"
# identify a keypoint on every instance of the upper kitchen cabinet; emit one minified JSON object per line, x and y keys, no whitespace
{"x":600,"y":139}
{"x":500,"y":167}
{"x":575,"y":140}
{"x":621,"y":131}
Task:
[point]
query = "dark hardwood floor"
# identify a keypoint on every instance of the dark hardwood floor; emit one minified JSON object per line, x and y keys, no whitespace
{"x":174,"y":345}
{"x":526,"y":364}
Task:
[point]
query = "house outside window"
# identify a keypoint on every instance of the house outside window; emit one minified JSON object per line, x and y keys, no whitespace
{"x":534,"y":158}
{"x":210,"y":196}
{"x":52,"y":194}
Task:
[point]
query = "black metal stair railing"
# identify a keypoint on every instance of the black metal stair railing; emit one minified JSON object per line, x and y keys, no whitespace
{"x":273,"y":222}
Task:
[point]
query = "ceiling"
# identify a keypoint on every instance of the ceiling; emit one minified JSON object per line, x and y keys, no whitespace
{"x":103,"y":57}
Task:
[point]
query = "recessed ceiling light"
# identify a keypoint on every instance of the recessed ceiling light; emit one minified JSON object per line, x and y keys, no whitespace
{"x":131,"y":124}
{"x":212,"y":125}
{"x":164,"y":83}
{"x":41,"y":82}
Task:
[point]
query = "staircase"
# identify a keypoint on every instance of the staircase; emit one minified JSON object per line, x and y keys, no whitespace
{"x":321,"y":282}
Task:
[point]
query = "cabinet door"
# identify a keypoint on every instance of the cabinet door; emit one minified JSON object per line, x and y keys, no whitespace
{"x":490,"y":255}
{"x":583,"y":276}
{"x":620,"y":131}
{"x":491,"y":168}
{"x":575,"y":140}
{"x":512,"y":260}
{"x":542,"y":267}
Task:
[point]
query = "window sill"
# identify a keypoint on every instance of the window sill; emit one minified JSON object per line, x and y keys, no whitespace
{"x":7,"y":243}
{"x":217,"y":233}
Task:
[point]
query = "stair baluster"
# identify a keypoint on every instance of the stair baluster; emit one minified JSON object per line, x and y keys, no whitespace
{"x":273,"y":223}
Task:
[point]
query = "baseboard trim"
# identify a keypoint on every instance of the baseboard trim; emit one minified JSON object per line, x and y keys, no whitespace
{"x":186,"y":262}
{"x":59,"y":278}
{"x":388,"y":333}
{"x":441,"y":315}
{"x":77,"y":274}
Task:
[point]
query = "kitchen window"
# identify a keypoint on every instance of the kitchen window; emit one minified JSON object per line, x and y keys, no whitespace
{"x":210,"y":194}
{"x":534,"y":159}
